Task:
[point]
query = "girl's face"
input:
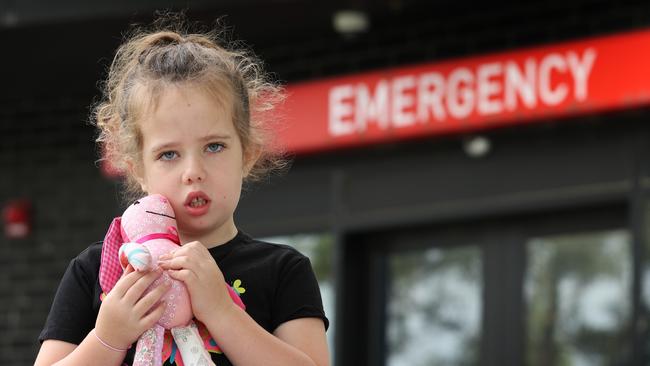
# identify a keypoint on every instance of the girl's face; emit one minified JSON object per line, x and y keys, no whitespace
{"x":191,"y":154}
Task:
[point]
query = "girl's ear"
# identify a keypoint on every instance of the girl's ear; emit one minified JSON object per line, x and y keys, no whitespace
{"x":251,"y":157}
{"x":135,"y":170}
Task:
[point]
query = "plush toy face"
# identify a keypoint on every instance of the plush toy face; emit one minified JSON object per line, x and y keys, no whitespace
{"x":146,"y":230}
{"x":148,"y":215}
{"x":146,"y":225}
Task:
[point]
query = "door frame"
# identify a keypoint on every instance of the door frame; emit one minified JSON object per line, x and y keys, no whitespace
{"x":363,"y":288}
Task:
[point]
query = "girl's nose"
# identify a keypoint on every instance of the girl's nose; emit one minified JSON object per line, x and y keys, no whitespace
{"x":194,"y":172}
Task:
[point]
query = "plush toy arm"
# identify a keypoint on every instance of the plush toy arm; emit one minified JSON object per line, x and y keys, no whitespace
{"x":148,"y":351}
{"x":137,"y":255}
{"x":190,"y":346}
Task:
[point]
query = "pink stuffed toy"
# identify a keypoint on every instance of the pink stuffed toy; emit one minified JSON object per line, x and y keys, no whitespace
{"x":147,"y":230}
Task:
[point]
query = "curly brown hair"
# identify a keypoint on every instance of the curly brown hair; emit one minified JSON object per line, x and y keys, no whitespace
{"x":149,"y":60}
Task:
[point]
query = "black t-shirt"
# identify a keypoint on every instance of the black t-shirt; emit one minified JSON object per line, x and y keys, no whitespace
{"x":275,"y":282}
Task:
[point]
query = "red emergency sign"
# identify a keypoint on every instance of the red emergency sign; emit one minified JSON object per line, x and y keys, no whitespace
{"x":469,"y":94}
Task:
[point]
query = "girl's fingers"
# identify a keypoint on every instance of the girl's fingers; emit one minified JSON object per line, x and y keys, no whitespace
{"x":184,"y":275}
{"x":147,"y":301}
{"x":125,"y":282}
{"x":154,"y":315}
{"x":184,"y":250}
{"x":134,"y":293}
{"x":178,"y":262}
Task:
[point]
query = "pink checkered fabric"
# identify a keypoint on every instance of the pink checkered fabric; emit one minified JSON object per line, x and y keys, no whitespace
{"x":110,"y":269}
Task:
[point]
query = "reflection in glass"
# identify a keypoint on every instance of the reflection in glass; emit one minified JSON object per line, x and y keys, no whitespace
{"x":644,"y":319}
{"x":434,"y":307}
{"x":578,"y":290}
{"x":318,"y":248}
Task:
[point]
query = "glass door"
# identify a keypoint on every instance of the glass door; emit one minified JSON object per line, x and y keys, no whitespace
{"x":578,"y":290}
{"x":536,"y":290}
{"x":435,"y":285}
{"x":434,"y":306}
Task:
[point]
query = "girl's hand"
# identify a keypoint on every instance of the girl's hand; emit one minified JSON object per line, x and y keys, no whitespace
{"x":125,"y":314}
{"x":193,"y":264}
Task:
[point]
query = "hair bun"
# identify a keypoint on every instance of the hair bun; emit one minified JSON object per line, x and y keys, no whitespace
{"x":165,"y":38}
{"x":157,"y":40}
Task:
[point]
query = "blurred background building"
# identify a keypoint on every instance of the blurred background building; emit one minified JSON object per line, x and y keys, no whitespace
{"x":474,"y":192}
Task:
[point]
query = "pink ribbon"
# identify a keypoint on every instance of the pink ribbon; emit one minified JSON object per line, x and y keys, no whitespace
{"x":170,"y":235}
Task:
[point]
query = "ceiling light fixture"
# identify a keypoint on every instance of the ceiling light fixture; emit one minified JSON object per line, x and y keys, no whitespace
{"x":477,"y":146}
{"x":350,"y":22}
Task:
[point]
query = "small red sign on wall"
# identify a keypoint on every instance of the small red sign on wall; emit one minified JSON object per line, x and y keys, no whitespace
{"x":17,"y":219}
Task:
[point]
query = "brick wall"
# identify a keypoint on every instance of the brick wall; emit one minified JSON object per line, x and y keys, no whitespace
{"x":47,"y":155}
{"x":47,"y":151}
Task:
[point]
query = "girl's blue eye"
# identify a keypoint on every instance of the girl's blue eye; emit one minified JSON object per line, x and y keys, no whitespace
{"x":168,"y":155}
{"x":215,"y":147}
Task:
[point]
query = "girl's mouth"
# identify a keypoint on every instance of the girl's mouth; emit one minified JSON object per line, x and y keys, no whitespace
{"x":197,"y":203}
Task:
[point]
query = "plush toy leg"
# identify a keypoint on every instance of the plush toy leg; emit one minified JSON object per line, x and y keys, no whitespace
{"x":148,"y":351}
{"x":191,"y":347}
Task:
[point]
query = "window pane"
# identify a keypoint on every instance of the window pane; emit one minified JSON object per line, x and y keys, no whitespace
{"x":318,"y":248}
{"x":578,"y":294}
{"x":434,"y":307}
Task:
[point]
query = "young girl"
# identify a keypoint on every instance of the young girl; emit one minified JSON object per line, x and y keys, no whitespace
{"x":179,"y":118}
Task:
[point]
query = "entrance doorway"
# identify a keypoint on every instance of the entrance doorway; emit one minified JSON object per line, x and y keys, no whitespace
{"x":544,"y":289}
